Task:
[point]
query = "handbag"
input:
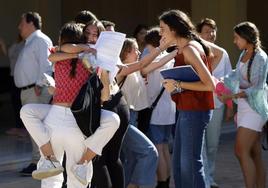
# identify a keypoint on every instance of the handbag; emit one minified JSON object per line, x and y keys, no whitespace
{"x":144,"y":116}
{"x":86,"y":107}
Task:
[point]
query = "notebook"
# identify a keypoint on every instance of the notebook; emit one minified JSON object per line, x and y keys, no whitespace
{"x":184,"y":73}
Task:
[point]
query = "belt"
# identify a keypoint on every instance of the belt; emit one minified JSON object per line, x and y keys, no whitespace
{"x":27,"y":87}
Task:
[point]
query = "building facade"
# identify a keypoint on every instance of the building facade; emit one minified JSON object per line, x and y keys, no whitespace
{"x":127,"y":14}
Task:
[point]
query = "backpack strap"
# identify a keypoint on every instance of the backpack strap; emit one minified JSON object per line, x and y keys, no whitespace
{"x":157,"y":98}
{"x":122,"y":82}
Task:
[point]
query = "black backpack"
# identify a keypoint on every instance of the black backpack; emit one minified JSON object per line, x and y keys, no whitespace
{"x":86,"y":107}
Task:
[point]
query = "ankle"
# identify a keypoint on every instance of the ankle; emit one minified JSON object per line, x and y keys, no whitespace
{"x":51,"y":157}
{"x":87,"y":156}
{"x":81,"y":162}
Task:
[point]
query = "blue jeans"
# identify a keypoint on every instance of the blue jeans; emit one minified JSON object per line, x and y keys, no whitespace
{"x":212,"y":136}
{"x":133,"y":117}
{"x":188,"y":144}
{"x":159,"y":134}
{"x":139,"y":158}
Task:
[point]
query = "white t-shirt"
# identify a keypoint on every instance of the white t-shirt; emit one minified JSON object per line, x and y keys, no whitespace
{"x":164,"y":112}
{"x":134,"y":91}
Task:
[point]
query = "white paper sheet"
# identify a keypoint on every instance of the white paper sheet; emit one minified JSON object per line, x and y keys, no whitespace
{"x":108,"y":46}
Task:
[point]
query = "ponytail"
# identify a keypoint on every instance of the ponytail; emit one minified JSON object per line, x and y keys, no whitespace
{"x":73,"y":65}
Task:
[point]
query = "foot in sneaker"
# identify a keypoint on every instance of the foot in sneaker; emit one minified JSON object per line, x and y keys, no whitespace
{"x":82,"y":172}
{"x":47,"y":167}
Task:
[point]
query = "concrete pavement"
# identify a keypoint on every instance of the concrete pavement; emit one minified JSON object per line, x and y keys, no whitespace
{"x":228,"y":173}
{"x":15,"y":152}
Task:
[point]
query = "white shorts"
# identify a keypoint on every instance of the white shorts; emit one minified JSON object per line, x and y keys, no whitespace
{"x":247,"y":117}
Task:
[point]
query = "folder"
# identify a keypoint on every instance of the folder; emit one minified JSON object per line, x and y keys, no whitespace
{"x":184,"y":73}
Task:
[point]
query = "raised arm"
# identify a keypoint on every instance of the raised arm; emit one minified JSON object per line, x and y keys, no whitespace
{"x":192,"y":57}
{"x":76,"y":48}
{"x":146,"y":60}
{"x":70,"y":51}
{"x":153,"y":66}
{"x":206,"y":83}
{"x":61,"y":56}
{"x":105,"y":92}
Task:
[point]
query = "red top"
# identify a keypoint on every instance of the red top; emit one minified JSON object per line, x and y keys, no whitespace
{"x":193,"y":100}
{"x":67,"y":88}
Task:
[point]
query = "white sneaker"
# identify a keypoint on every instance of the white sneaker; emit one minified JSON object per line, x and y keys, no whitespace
{"x":47,"y":168}
{"x":82,"y":172}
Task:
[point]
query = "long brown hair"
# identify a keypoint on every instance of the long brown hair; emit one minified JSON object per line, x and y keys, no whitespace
{"x":181,"y":24}
{"x":128,"y":45}
{"x":251,"y":34}
{"x":72,"y":33}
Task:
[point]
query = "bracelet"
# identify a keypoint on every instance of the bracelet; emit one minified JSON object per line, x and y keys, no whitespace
{"x":177,"y":86}
{"x":236,"y":96}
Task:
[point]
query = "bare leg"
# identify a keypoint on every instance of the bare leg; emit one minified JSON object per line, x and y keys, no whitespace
{"x":167,"y":159}
{"x":162,"y":168}
{"x":260,"y":170}
{"x":245,"y":140}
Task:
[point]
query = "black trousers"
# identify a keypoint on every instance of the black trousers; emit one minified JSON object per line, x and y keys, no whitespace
{"x":107,"y":169}
{"x":16,"y":103}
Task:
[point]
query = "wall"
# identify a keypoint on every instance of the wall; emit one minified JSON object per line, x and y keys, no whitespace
{"x":257,"y":13}
{"x":126,"y":14}
{"x":226,"y":13}
{"x":10,"y":14}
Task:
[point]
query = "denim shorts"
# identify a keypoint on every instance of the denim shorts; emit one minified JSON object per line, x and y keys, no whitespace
{"x":159,"y":134}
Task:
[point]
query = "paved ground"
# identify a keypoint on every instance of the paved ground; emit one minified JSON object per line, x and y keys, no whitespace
{"x":228,"y":174}
{"x":15,"y":153}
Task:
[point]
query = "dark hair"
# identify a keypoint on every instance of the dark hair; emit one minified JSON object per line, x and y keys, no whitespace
{"x":33,"y":17}
{"x":206,"y":21}
{"x":96,"y":23}
{"x":127,"y":47}
{"x":107,"y":23}
{"x":181,"y":24}
{"x":153,"y":37}
{"x":72,"y":33}
{"x":84,"y":17}
{"x":251,"y":34}
{"x":138,"y":29}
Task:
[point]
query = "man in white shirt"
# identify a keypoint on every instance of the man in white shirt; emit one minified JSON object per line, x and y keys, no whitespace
{"x":221,"y":66}
{"x":30,"y":66}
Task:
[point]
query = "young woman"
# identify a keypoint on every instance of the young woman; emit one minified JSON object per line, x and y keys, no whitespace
{"x":108,"y":170}
{"x":194,"y":102}
{"x":248,"y":84}
{"x":55,"y":130}
{"x":163,"y":116}
{"x":135,"y":92}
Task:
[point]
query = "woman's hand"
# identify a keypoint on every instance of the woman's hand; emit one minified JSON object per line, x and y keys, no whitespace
{"x":169,"y":85}
{"x":224,"y":97}
{"x":51,"y":90}
{"x":164,"y":43}
{"x":91,"y":50}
